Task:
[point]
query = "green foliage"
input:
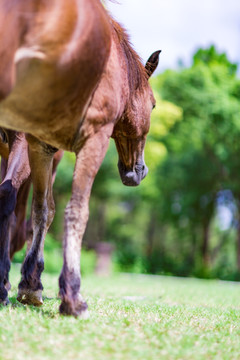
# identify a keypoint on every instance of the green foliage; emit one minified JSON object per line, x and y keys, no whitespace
{"x":211,"y":56}
{"x":65,"y":168}
{"x":202,"y":152}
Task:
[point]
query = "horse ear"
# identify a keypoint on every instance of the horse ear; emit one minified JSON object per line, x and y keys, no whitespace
{"x":152,"y":63}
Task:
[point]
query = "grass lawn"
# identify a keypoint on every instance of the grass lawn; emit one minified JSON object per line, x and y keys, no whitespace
{"x":131,"y":317}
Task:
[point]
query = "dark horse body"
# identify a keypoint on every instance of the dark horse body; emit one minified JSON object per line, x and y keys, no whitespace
{"x":70,"y":80}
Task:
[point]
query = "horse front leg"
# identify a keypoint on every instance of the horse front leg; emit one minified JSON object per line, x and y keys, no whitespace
{"x":41,"y":158}
{"x":15,"y":170}
{"x":87,"y":164}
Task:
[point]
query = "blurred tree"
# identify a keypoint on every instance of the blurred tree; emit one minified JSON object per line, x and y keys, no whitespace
{"x":211,"y":56}
{"x":204,"y":147}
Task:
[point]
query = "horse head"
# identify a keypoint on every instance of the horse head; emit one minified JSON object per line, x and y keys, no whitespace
{"x":131,"y":130}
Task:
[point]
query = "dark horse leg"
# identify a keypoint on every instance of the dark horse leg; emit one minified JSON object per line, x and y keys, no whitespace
{"x":87,"y":164}
{"x":22,"y":230}
{"x":41,"y":160}
{"x":15,"y":173}
{"x":7,"y":202}
{"x":18,"y":231}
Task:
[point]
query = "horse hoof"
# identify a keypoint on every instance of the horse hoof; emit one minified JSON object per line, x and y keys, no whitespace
{"x":30,"y":297}
{"x":79,"y":312}
{"x":83,"y":314}
{"x":5,"y":302}
{"x":77,"y":308}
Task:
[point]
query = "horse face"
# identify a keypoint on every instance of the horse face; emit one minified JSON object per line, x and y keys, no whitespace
{"x":131,"y":164}
{"x":131,"y":130}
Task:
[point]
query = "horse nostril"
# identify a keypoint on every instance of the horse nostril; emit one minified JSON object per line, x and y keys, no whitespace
{"x":144,"y":171}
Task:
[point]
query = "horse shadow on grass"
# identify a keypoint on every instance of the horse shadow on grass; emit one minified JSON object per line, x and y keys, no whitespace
{"x":49,"y":313}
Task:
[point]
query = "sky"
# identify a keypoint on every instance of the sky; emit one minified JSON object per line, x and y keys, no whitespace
{"x":179,"y":27}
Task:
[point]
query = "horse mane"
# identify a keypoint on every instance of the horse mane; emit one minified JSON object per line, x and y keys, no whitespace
{"x":136,"y":71}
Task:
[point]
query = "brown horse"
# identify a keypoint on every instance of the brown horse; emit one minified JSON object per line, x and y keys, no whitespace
{"x":14,"y":191}
{"x":72,"y":81}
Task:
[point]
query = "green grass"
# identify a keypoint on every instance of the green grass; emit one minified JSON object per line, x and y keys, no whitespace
{"x":131,"y":317}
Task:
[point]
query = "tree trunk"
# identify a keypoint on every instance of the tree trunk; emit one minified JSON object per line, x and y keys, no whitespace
{"x":205,"y":244}
{"x":192,"y":253}
{"x":150,"y":235}
{"x":101,"y":219}
{"x":238,"y":243}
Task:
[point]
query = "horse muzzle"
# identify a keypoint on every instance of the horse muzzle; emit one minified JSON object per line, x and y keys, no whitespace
{"x":134,"y":176}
